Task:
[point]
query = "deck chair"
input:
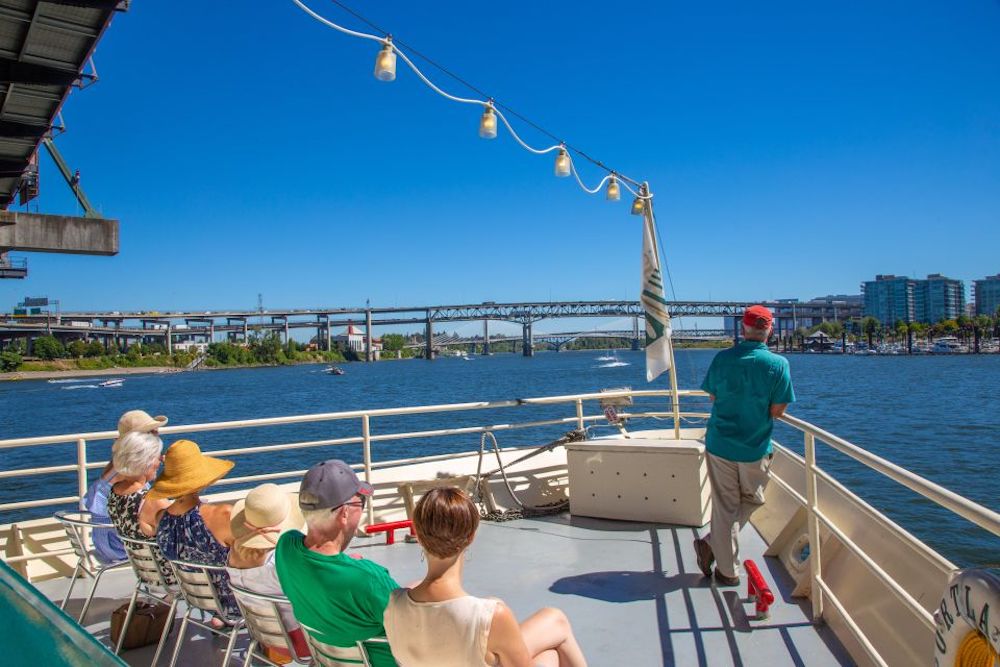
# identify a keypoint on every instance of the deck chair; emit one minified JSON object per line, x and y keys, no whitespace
{"x":201,"y":594}
{"x":77,"y":525}
{"x":148,"y":564}
{"x":327,"y":655}
{"x":262,"y":614}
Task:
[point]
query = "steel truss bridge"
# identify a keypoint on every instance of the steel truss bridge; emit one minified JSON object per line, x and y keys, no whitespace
{"x":120,"y":328}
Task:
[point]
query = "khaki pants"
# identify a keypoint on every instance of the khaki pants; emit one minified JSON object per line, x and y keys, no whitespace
{"x":737,"y":490}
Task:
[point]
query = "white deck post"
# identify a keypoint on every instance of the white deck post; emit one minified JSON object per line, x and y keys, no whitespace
{"x":366,"y":437}
{"x":579,"y":414}
{"x":81,"y":469}
{"x":815,"y":559}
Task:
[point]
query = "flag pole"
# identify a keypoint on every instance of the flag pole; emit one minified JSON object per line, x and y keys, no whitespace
{"x":674,"y":396}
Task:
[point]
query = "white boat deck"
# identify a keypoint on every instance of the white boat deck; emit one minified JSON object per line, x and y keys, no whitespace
{"x":632,"y":591}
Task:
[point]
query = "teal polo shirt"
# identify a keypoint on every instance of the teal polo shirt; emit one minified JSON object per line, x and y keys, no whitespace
{"x":746,"y":380}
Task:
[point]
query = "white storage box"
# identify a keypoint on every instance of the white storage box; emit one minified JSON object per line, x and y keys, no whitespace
{"x":640,"y":479}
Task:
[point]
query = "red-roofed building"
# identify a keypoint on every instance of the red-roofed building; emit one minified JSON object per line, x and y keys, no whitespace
{"x":354,"y":338}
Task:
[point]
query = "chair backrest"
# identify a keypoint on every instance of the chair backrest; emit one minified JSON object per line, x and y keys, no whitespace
{"x":327,"y":655}
{"x":197,"y":587}
{"x":262,"y":614}
{"x":144,"y":555}
{"x":76,"y":525}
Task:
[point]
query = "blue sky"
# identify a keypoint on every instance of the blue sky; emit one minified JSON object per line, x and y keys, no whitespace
{"x":795,"y":149}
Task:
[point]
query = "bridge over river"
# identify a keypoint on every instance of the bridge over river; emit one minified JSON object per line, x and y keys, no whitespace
{"x":117,"y":329}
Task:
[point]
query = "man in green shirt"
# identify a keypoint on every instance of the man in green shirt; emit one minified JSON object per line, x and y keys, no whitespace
{"x":337,"y":599}
{"x":749,"y":386}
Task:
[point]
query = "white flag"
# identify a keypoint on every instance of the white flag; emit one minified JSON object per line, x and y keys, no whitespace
{"x":658,"y":353}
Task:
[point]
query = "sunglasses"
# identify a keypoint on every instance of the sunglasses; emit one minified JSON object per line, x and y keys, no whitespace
{"x":361,"y":502}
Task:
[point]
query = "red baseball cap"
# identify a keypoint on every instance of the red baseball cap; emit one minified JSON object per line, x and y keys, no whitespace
{"x":758,"y":317}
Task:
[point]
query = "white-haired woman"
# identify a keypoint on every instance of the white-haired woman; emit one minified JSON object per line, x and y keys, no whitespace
{"x":136,"y":458}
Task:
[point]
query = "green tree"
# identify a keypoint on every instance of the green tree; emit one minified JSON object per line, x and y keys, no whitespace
{"x":870,"y":326}
{"x":9,"y":360}
{"x":393,"y":342}
{"x":48,"y":347}
{"x":77,"y":348}
{"x":94,"y":349}
{"x":901,"y":330}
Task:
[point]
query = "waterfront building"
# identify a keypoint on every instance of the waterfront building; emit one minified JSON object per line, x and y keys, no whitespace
{"x":986,"y":294}
{"x":355,"y":340}
{"x":889,"y":298}
{"x":939,"y":298}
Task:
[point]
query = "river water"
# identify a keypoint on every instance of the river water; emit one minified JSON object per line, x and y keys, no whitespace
{"x":938,"y":416}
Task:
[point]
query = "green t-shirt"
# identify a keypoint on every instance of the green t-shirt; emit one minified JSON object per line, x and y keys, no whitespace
{"x":339,"y":597}
{"x":746,"y":380}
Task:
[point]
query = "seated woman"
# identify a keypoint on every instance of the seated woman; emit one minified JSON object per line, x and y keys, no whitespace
{"x":256,"y":525}
{"x":136,"y":458}
{"x":438,"y":624}
{"x":106,"y":543}
{"x":187,"y":529}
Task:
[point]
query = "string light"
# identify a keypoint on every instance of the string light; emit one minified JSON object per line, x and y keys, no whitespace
{"x":385,"y":70}
{"x":488,"y":123}
{"x":562,"y":163}
{"x":385,"y":62}
{"x":613,"y":192}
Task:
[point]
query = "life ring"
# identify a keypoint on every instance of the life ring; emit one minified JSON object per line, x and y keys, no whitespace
{"x":968,"y":621}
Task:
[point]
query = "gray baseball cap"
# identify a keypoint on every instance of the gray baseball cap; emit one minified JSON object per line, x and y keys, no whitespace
{"x":330,"y":484}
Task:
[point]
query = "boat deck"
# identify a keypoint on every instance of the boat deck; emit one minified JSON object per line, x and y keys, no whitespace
{"x":632,"y":591}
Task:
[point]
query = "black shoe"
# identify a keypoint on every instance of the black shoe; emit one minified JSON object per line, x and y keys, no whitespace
{"x":723,"y":580}
{"x":705,"y":556}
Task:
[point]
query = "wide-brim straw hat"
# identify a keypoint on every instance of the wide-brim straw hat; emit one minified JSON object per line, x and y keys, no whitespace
{"x":186,"y":470}
{"x":260,"y":519}
{"x":139,"y":420}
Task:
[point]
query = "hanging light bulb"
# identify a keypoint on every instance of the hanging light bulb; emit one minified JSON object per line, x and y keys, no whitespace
{"x":638,"y":206}
{"x":562,"y":163}
{"x":488,"y":123}
{"x":385,"y":62}
{"x":614,"y":192}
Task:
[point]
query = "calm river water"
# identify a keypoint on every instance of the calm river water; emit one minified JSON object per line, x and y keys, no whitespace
{"x":937,"y":416}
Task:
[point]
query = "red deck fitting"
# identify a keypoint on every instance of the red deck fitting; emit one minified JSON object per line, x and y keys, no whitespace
{"x":389,"y":529}
{"x":758,"y":590}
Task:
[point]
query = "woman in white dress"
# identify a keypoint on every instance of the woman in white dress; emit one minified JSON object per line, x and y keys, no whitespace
{"x":438,"y":624}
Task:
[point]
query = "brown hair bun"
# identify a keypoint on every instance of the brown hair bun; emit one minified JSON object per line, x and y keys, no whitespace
{"x":446,"y":521}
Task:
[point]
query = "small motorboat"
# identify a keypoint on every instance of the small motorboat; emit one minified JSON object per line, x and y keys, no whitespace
{"x":112,"y":383}
{"x":333,"y":370}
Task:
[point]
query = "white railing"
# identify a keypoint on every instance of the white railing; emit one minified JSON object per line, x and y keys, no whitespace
{"x":983,"y":517}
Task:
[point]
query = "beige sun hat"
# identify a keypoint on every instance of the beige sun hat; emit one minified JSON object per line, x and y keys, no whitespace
{"x":186,"y":470}
{"x":139,"y":420}
{"x":259,"y":520}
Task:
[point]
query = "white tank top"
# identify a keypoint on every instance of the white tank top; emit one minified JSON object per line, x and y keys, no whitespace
{"x":452,"y":633}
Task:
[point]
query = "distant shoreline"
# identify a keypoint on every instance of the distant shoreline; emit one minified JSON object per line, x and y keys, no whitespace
{"x":82,"y":373}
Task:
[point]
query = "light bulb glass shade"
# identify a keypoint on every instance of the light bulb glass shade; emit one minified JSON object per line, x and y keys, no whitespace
{"x":385,"y":64}
{"x":638,"y":206}
{"x":614,"y":192}
{"x":488,"y":124}
{"x":562,"y":163}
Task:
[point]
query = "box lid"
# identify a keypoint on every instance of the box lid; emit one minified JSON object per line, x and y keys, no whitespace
{"x":636,"y":445}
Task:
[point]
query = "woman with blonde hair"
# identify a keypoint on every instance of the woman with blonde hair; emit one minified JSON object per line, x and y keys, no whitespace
{"x":438,"y":624}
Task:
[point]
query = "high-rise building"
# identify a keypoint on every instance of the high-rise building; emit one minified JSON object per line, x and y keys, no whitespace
{"x":987,"y":294}
{"x":889,"y":298}
{"x":939,"y":298}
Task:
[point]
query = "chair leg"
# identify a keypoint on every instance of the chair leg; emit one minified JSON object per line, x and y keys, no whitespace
{"x":180,"y":640}
{"x":166,"y":632}
{"x":248,"y":662}
{"x":90,"y":595}
{"x":72,"y":583}
{"x":128,"y":619}
{"x":231,"y":645}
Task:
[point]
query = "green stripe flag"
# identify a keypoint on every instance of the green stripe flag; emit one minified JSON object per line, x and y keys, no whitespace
{"x":658,"y":353}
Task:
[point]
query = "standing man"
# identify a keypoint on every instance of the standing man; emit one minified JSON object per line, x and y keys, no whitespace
{"x":336,"y":598}
{"x":749,"y":386}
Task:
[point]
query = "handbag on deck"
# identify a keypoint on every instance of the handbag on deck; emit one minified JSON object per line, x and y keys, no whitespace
{"x":145,"y":627}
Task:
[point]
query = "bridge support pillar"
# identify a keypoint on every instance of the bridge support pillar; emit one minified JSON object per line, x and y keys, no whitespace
{"x":369,"y":353}
{"x":211,"y":333}
{"x":170,"y":340}
{"x":429,"y":339}
{"x":286,"y":331}
{"x":486,"y":338}
{"x":528,"y":348}
{"x":329,"y":335}
{"x":635,"y":333}
{"x":736,"y":330}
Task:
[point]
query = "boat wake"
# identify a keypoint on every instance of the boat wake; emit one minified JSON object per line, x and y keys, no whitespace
{"x":615,"y":364}
{"x":81,"y":386}
{"x":72,"y":380}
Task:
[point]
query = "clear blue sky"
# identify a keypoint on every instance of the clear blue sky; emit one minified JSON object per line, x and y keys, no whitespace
{"x":795,"y":149}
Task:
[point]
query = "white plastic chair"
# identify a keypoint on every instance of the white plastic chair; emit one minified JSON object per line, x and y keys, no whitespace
{"x":201,"y":594}
{"x":265,"y":624}
{"x":77,"y":525}
{"x":149,"y":564}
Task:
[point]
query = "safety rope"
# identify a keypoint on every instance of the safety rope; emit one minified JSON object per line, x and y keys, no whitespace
{"x":522,"y":511}
{"x":975,"y":651}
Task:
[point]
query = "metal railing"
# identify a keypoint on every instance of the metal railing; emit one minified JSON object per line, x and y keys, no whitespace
{"x":983,"y":517}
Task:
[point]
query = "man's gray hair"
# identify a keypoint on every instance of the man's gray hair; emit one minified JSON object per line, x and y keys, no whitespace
{"x":133,"y":453}
{"x":317,"y":519}
{"x":753,"y":333}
